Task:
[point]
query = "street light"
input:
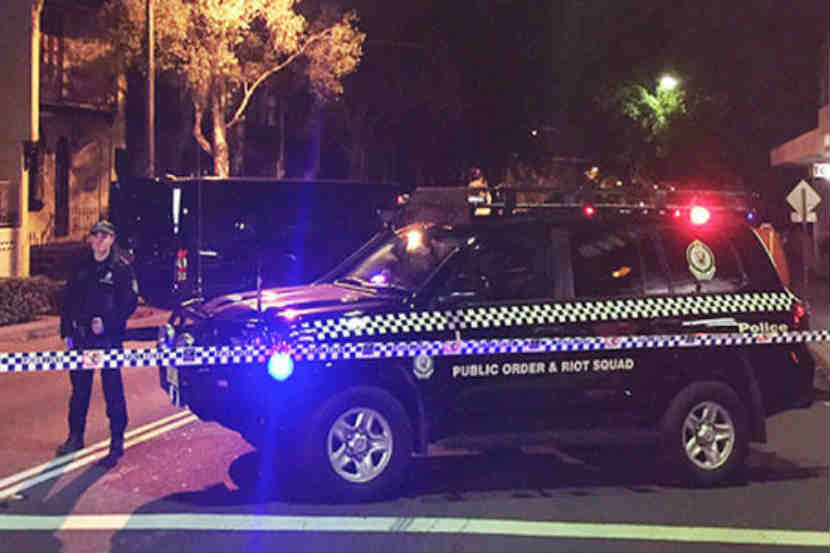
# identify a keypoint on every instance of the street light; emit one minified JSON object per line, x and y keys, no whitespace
{"x":667,"y":82}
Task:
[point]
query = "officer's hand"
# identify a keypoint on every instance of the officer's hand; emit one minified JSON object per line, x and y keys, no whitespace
{"x":68,"y":342}
{"x":97,"y":325}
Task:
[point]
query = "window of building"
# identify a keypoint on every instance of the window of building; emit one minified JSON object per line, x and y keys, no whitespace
{"x":51,"y":53}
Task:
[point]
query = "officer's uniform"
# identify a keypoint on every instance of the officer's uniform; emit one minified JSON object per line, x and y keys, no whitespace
{"x":105,"y":289}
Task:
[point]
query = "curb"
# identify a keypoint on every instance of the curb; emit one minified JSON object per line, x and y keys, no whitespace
{"x":49,"y":325}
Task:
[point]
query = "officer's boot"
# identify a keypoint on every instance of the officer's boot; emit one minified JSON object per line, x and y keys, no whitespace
{"x":74,"y":442}
{"x":116,"y":451}
{"x":117,"y":446}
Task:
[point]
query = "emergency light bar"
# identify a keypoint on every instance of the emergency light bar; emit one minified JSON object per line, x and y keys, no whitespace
{"x":461,"y":204}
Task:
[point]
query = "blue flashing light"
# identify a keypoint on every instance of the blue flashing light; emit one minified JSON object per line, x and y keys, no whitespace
{"x":750,"y":216}
{"x":280,"y":366}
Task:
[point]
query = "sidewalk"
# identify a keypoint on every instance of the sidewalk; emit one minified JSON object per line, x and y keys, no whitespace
{"x":48,"y":326}
{"x":818,"y":299}
{"x":817,"y":296}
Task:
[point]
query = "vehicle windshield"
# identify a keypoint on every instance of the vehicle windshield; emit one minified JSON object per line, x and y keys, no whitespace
{"x":401,"y":262}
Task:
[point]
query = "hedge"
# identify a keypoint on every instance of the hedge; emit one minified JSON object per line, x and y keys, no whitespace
{"x":25,"y":299}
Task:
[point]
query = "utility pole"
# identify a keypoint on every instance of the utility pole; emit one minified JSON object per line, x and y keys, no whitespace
{"x":151,"y":94}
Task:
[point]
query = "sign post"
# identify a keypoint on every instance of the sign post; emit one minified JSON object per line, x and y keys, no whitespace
{"x":803,"y":200}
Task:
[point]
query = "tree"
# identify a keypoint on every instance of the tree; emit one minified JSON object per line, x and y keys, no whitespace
{"x":645,"y":128}
{"x":224,"y":50}
{"x":396,"y":99}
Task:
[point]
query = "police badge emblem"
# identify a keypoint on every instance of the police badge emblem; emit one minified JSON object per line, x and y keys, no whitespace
{"x":424,"y":367}
{"x":701,"y":260}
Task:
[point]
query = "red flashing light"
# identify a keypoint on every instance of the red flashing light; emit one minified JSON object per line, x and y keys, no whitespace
{"x":677,"y":213}
{"x":799,"y":316}
{"x":181,"y":265}
{"x":699,"y":215}
{"x":402,"y":199}
{"x":589,"y":210}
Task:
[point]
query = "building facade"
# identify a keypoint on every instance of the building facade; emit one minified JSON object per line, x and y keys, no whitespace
{"x":66,"y":121}
{"x":810,"y":151}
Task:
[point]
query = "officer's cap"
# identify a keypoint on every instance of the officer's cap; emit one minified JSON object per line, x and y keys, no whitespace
{"x":102,"y":226}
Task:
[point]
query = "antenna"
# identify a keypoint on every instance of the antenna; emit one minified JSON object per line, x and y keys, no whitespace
{"x":259,"y":280}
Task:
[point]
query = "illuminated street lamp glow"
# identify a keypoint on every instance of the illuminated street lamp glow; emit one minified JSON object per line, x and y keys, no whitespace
{"x":667,"y":82}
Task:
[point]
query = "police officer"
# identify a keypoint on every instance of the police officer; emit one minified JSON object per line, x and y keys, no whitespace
{"x":100,"y":297}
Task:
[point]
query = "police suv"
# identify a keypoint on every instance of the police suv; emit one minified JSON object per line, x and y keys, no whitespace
{"x":505,"y":324}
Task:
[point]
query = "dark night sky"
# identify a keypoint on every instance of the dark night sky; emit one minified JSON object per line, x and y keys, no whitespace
{"x":526,"y":62}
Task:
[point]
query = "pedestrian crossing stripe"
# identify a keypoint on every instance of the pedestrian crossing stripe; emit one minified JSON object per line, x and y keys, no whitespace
{"x":405,"y":322}
{"x":244,"y":355}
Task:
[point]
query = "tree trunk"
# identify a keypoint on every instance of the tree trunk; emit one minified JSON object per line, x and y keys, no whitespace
{"x":221,"y":156}
{"x":280,"y":166}
{"x":313,"y":171}
{"x":237,"y":157}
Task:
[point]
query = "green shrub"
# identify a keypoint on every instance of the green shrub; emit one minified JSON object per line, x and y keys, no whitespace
{"x":25,"y":299}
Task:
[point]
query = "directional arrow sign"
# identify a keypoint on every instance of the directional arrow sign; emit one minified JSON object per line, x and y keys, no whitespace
{"x":804,"y":200}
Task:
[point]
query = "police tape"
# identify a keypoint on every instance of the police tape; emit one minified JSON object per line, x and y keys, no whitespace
{"x":241,"y":355}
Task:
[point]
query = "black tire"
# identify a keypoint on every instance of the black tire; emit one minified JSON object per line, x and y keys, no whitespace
{"x":710,"y":459}
{"x":327,"y":483}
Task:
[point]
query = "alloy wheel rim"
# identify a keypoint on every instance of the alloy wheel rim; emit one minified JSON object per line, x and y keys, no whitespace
{"x":360,"y":445}
{"x":708,"y":435}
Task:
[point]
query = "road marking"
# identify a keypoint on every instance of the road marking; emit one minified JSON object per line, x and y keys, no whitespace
{"x":417,"y":525}
{"x":144,"y":433}
{"x":83,"y":452}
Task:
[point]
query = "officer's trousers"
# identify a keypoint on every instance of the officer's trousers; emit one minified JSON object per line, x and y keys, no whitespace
{"x":113,"y":387}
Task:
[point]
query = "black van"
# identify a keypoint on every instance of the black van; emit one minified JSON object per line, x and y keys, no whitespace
{"x":209,"y":236}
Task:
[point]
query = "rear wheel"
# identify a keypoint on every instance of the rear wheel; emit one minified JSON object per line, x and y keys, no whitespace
{"x":705,"y":434}
{"x":358,"y":446}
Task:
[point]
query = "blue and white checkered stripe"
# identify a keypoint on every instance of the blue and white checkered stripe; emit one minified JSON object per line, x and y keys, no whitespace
{"x":542,"y":314}
{"x":381,"y":350}
{"x":236,"y":355}
{"x":120,"y":358}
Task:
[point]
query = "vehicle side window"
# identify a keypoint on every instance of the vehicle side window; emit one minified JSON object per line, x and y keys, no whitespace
{"x":702,"y":263}
{"x":503,"y":268}
{"x":654,"y":270}
{"x":606,"y":264}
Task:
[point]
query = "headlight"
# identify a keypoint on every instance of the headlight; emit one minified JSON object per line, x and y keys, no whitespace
{"x":280,"y":365}
{"x":184,"y":340}
{"x":165,"y":335}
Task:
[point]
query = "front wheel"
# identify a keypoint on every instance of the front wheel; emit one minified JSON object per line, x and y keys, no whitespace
{"x":358,"y":445}
{"x":705,"y":433}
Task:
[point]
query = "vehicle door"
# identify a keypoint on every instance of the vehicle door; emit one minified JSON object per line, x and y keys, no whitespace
{"x":612,"y":269}
{"x":494,"y":292}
